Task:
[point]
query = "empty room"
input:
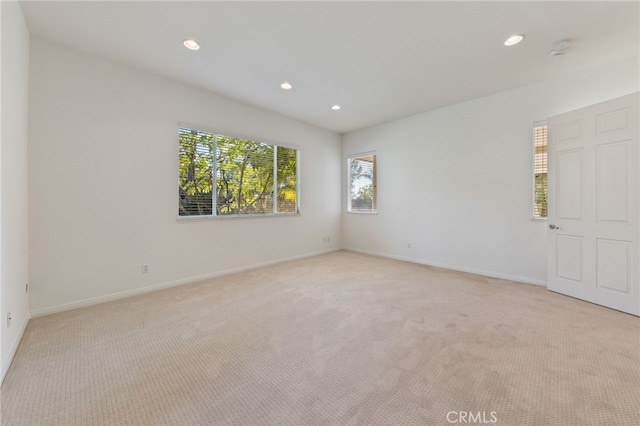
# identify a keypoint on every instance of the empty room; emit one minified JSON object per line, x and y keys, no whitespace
{"x":319,"y":213}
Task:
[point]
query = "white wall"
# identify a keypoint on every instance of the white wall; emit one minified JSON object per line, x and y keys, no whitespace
{"x":456,"y":183}
{"x":103,"y":183}
{"x":13,"y":180}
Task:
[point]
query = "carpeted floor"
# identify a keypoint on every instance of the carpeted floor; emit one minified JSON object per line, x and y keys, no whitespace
{"x":338,"y":339}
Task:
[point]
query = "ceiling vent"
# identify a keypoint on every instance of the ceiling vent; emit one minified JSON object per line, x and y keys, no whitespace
{"x":559,"y":47}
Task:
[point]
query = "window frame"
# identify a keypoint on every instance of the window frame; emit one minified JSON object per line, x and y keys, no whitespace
{"x":535,"y":125}
{"x":233,"y":135}
{"x":349,"y":158}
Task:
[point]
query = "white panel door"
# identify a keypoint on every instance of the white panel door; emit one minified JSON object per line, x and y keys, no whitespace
{"x":593,"y":212}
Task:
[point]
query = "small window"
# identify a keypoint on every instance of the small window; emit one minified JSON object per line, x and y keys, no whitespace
{"x":540,"y":170}
{"x":225,"y":176}
{"x":362,"y":183}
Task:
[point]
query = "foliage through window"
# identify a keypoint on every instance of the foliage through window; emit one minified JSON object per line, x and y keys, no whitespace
{"x":362,"y":183}
{"x":225,"y":176}
{"x":540,"y":170}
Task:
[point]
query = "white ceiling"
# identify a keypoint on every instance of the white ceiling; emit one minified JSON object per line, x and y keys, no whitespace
{"x":379,"y":60}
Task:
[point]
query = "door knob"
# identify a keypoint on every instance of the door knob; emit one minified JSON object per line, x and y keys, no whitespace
{"x":553,"y":226}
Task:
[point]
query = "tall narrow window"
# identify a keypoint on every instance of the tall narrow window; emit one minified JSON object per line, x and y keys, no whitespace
{"x":362,"y":183}
{"x":540,"y":169}
{"x":222,"y":175}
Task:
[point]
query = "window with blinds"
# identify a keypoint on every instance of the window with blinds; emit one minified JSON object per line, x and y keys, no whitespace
{"x":225,"y":176}
{"x":540,"y":169}
{"x":362,"y":183}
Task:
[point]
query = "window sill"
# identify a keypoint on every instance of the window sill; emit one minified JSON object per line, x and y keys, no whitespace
{"x":236,"y":216}
{"x":365,"y":213}
{"x":538,"y":219}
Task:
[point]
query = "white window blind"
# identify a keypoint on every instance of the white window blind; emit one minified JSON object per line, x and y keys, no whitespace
{"x":221,"y":175}
{"x":540,"y":169}
{"x":362,"y":183}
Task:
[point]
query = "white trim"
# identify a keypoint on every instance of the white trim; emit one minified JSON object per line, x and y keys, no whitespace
{"x":214,"y":177}
{"x":298,"y":180}
{"x":363,"y":154}
{"x":484,"y":273}
{"x":235,"y":216}
{"x":213,"y":131}
{"x":274,"y":197}
{"x":14,"y":349}
{"x":169,"y":284}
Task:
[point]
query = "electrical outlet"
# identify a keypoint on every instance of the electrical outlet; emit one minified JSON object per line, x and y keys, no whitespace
{"x":408,"y":245}
{"x":328,"y":239}
{"x":145,"y":268}
{"x":8,"y":318}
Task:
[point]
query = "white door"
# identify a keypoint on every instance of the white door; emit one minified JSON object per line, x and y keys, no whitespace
{"x":593,"y":213}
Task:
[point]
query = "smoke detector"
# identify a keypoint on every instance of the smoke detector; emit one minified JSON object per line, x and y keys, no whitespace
{"x":559,"y":47}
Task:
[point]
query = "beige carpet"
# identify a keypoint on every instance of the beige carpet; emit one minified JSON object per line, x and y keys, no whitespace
{"x":339,"y":339}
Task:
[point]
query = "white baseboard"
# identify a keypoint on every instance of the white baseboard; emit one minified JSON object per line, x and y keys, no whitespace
{"x":14,"y":348}
{"x":189,"y":280}
{"x":169,"y":284}
{"x":482,"y":272}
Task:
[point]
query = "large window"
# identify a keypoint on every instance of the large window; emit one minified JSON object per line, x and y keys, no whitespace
{"x":226,"y":176}
{"x":362,"y":183}
{"x":540,"y":170}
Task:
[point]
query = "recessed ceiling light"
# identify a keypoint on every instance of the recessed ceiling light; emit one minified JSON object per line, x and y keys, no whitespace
{"x":336,"y":107}
{"x":191,"y":44}
{"x":286,"y":85}
{"x":514,"y":39}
